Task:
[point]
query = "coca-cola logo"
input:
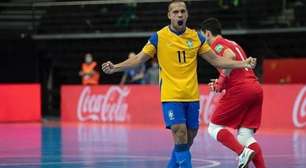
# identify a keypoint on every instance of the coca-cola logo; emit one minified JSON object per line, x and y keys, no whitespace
{"x":208,"y":104}
{"x":299,"y":109}
{"x":107,"y":107}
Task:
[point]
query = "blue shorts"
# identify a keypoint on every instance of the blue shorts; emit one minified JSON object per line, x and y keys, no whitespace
{"x":181,"y":113}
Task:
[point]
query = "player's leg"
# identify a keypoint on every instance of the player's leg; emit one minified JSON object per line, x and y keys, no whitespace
{"x":250,"y":123}
{"x":192,"y":117}
{"x":175,"y":120}
{"x":228,"y":113}
{"x":225,"y":137}
{"x":192,"y":133}
{"x":172,"y":162}
{"x":246,"y":138}
{"x":182,"y":152}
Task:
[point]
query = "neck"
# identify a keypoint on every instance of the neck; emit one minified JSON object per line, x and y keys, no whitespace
{"x":212,"y":39}
{"x":178,"y":30}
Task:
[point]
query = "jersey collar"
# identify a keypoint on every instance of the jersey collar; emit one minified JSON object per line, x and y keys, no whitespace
{"x":176,"y":32}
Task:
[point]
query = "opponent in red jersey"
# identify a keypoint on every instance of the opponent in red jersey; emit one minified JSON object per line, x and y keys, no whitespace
{"x":240,"y":107}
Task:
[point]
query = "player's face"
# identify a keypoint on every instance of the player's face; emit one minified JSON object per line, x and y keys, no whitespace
{"x":88,"y":58}
{"x":178,"y":15}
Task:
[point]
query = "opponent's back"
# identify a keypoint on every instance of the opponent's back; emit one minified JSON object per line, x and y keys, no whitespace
{"x":237,"y":76}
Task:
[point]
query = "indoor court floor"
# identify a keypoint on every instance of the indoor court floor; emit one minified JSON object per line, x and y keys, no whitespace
{"x":73,"y":145}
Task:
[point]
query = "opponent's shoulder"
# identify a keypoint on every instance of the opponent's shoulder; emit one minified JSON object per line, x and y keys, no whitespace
{"x":227,"y":42}
{"x":219,"y":45}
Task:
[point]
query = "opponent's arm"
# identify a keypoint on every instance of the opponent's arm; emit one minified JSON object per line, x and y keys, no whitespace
{"x":227,"y":63}
{"x":110,"y":68}
{"x":228,"y":53}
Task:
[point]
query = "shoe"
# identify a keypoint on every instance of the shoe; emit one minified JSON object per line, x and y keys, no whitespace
{"x":245,"y":157}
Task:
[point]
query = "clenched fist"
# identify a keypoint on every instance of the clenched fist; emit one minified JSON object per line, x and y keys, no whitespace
{"x":108,"y":67}
{"x":250,"y":62}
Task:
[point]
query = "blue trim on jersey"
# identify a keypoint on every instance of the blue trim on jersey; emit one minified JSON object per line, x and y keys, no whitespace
{"x":154,"y":39}
{"x":201,"y":37}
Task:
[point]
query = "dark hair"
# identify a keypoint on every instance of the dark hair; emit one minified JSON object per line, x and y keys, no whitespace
{"x":213,"y":25}
{"x":173,"y":1}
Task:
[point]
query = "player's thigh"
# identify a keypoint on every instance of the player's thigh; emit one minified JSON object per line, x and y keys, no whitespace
{"x":173,"y":113}
{"x":252,"y":118}
{"x":229,"y":112}
{"x":192,"y":115}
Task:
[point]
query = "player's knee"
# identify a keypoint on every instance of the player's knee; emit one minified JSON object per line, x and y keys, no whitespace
{"x":246,"y":136}
{"x":192,"y":133}
{"x":180,"y":132}
{"x":213,"y":130}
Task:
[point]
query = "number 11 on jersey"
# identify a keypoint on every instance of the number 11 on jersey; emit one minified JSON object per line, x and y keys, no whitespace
{"x":181,"y":56}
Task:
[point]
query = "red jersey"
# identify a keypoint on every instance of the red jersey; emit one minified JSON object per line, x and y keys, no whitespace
{"x":237,"y":76}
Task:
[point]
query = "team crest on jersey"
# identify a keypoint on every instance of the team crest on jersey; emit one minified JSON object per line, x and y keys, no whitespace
{"x":218,"y":48}
{"x":189,"y":43}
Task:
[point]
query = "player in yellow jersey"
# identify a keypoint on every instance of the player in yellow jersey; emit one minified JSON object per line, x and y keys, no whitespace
{"x":177,"y":48}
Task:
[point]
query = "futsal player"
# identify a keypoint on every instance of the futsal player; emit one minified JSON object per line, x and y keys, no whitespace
{"x":240,"y":107}
{"x":177,"y":49}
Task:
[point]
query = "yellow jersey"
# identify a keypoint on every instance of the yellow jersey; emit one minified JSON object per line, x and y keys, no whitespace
{"x":177,"y":57}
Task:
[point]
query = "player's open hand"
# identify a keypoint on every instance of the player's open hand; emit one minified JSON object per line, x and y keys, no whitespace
{"x":250,"y":63}
{"x":108,"y":67}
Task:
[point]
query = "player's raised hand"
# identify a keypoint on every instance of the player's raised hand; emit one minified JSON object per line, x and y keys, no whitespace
{"x":108,"y":67}
{"x":250,"y":63}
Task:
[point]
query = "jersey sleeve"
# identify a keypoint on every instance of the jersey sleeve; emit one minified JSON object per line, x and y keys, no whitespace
{"x":204,"y":48}
{"x":219,"y":49}
{"x":151,"y":46}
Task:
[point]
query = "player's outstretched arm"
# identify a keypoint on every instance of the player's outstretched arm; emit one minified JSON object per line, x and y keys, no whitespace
{"x":110,"y":68}
{"x":227,"y":63}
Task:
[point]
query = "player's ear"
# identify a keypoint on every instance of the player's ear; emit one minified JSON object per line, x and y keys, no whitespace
{"x":207,"y":33}
{"x":169,"y":17}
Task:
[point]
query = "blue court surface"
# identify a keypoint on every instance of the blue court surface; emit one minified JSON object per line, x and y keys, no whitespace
{"x":117,"y":146}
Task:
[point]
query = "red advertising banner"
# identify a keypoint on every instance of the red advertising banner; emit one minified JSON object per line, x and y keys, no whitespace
{"x":284,"y":105}
{"x":20,"y":102}
{"x":284,"y":70}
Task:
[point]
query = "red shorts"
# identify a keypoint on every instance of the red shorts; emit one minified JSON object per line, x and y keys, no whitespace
{"x":240,"y":107}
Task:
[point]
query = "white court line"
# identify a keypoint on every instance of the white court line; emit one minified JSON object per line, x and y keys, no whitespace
{"x":210,"y":160}
{"x":211,"y":163}
{"x":118,"y":156}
